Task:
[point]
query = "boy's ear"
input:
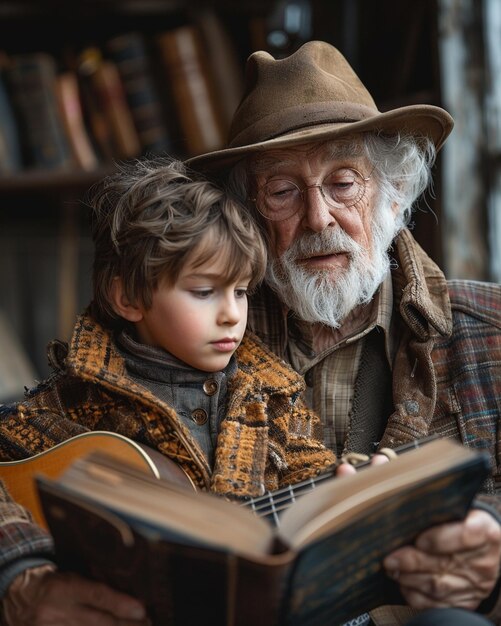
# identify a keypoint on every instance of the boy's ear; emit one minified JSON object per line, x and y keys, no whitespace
{"x":121,"y":305}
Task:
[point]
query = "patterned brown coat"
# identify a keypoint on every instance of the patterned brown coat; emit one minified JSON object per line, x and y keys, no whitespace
{"x":268,"y":439}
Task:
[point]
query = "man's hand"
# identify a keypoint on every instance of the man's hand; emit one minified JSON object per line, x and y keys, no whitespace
{"x":452,"y":565}
{"x":346,"y":469}
{"x":42,"y":597}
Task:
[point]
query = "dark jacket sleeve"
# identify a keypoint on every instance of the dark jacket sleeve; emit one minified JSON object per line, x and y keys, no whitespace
{"x":23,"y":543}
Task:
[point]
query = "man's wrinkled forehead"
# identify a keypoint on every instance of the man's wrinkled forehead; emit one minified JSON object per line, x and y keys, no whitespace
{"x":325,"y":152}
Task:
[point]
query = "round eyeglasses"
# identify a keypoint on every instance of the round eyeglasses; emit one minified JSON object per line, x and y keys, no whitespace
{"x":280,"y":199}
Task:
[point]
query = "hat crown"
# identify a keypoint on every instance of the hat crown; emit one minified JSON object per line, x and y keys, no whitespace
{"x":312,"y":96}
{"x":315,"y":85}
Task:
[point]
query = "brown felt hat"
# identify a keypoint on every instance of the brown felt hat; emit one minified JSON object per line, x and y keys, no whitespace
{"x":309,"y":96}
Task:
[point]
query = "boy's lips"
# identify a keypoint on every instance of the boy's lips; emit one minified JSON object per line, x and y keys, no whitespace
{"x":228,"y":344}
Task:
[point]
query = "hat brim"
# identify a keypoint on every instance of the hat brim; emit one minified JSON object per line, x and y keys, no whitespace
{"x":419,"y":120}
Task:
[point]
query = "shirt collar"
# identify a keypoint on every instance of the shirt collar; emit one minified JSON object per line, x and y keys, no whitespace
{"x":317,"y":340}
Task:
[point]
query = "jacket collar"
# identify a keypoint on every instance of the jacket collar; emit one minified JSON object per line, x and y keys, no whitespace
{"x":420,"y":290}
{"x":92,"y":351}
{"x":93,"y":355}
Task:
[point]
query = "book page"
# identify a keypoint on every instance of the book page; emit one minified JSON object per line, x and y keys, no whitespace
{"x":161,"y":508}
{"x":339,"y":502}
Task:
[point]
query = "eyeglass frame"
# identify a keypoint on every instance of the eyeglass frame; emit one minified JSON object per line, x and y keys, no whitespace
{"x":306,"y":187}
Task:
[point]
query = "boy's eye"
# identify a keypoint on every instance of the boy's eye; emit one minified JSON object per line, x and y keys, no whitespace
{"x":241,"y":292}
{"x":202,"y":293}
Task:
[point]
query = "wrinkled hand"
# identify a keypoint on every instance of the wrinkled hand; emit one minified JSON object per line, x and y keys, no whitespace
{"x":43,"y":597}
{"x":452,"y":565}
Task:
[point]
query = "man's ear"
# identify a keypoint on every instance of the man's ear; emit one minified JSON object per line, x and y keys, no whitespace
{"x":121,"y":305}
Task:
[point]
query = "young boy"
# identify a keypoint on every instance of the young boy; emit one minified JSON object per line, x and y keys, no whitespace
{"x":161,"y":355}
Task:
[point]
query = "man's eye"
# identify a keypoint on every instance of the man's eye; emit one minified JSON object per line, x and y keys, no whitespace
{"x":343,"y":178}
{"x":280,"y":188}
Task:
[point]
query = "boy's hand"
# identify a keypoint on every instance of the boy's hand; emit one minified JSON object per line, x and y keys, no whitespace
{"x":43,"y":597}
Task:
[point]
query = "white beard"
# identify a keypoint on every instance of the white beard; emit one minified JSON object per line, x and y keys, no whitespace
{"x":328,"y":296}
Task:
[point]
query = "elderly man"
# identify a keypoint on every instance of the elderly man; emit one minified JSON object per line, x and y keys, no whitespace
{"x":390,"y":350}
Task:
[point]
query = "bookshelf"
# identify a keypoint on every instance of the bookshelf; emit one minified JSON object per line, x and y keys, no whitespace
{"x":45,"y":248}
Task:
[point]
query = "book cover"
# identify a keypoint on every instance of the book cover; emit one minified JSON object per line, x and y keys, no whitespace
{"x":192,"y":86}
{"x":323,"y":564}
{"x":33,"y":79}
{"x":131,"y":56}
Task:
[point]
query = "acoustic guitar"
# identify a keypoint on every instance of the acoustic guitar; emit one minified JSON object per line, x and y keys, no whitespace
{"x":18,"y":476}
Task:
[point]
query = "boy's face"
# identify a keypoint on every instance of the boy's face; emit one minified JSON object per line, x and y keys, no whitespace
{"x":201,"y":319}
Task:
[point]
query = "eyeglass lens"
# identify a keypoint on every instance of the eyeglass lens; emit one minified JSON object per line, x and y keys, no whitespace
{"x":280,"y":199}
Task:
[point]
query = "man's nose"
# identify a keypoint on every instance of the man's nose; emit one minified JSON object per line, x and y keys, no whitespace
{"x":318,"y":215}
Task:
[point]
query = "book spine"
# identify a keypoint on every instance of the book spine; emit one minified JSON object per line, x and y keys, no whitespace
{"x":130,"y":55}
{"x":11,"y":159}
{"x":33,"y":80}
{"x":222,"y":59}
{"x":94,"y":117}
{"x":193,"y":92}
{"x":112,"y":117}
{"x":68,"y":95}
{"x":112,"y":97}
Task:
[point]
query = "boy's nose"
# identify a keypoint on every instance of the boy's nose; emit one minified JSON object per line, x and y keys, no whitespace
{"x":230,"y":311}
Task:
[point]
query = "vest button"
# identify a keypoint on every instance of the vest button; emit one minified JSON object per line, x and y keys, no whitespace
{"x":211,"y":386}
{"x":199,"y":416}
{"x":308,"y":378}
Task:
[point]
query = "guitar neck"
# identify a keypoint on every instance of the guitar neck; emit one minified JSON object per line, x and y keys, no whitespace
{"x":271,"y":504}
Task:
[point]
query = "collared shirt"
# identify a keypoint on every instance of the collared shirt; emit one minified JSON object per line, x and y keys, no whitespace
{"x":329,"y":360}
{"x":198,"y":397}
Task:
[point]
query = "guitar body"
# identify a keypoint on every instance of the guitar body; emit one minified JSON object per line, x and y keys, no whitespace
{"x":18,"y":476}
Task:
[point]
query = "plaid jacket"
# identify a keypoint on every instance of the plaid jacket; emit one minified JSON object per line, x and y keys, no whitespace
{"x":19,"y":536}
{"x":447,"y":370}
{"x":22,"y":543}
{"x":267,"y":439}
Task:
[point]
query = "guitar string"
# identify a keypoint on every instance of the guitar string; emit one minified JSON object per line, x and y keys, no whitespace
{"x":268,"y":501}
{"x":284,"y":495}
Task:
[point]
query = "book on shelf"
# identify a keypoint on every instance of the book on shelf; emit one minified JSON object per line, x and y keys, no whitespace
{"x":95,"y":118}
{"x":191,"y":82}
{"x":33,"y":79}
{"x":109,"y":112}
{"x":223,"y":61}
{"x":323,"y":564}
{"x":11,"y":157}
{"x":130,"y":53}
{"x":70,"y":110}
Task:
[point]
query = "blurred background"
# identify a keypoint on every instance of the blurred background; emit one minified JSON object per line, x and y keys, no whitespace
{"x":92,"y":82}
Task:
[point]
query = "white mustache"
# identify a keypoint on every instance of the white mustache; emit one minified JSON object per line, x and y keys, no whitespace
{"x":324,"y":243}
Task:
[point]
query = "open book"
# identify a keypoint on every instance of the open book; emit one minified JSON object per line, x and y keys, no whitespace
{"x":194,"y":558}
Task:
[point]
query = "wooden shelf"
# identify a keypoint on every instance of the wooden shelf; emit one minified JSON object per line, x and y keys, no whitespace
{"x":50,"y":181}
{"x":63,"y":8}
